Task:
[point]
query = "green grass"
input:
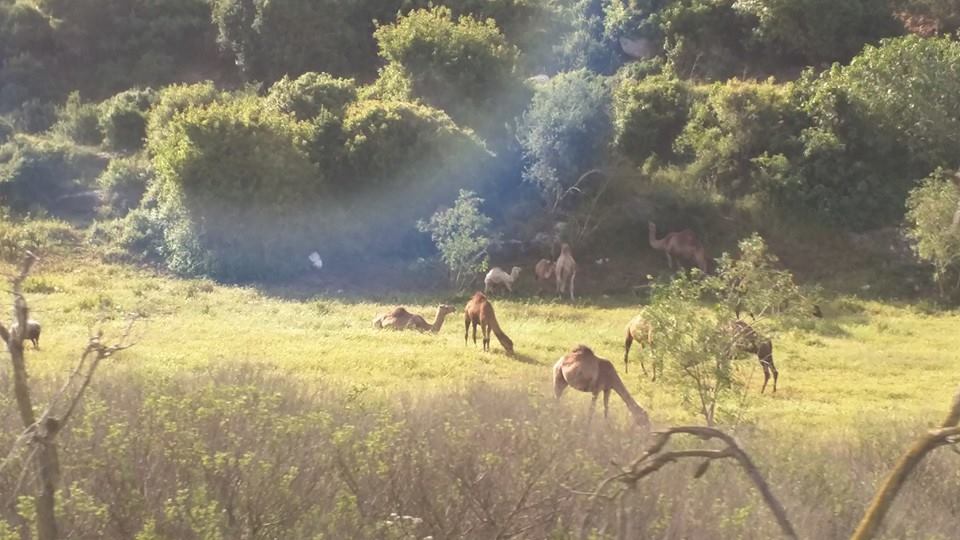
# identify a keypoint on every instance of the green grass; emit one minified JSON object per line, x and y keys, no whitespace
{"x":864,"y":361}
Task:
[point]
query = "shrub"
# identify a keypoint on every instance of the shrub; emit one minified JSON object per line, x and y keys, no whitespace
{"x":649,"y":114}
{"x":565,"y":132}
{"x":462,"y":236}
{"x":820,"y":31}
{"x":237,"y":190}
{"x":78,"y":121}
{"x":123,"y":183}
{"x":306,"y":96}
{"x":933,"y":217}
{"x":735,"y":125}
{"x":464,"y":67}
{"x":176,"y":98}
{"x":39,"y":236}
{"x":123,"y":119}
{"x":705,"y":39}
{"x":35,"y":174}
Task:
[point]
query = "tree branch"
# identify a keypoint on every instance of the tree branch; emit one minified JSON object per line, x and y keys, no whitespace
{"x":947,"y":434}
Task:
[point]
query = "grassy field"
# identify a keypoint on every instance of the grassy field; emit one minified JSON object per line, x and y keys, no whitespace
{"x":865,"y":360}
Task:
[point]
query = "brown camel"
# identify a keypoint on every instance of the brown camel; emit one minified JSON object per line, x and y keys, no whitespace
{"x":480,"y":311}
{"x":683,"y":246}
{"x":585,"y":371}
{"x":639,"y":329}
{"x":543,"y":271}
{"x":401,"y":319}
{"x":565,"y":270}
{"x":746,"y":339}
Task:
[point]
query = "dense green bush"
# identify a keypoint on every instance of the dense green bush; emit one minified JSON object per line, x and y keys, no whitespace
{"x":26,"y":64}
{"x":820,"y":31}
{"x":738,"y":123}
{"x":177,"y":98}
{"x":649,"y":115}
{"x":290,"y":37}
{"x":311,"y":93}
{"x":237,"y":190}
{"x":124,"y":183}
{"x":933,"y":215}
{"x":40,"y":236}
{"x":78,"y":121}
{"x":123,"y":119}
{"x":464,"y":67}
{"x":706,"y":39}
{"x":565,"y":133}
{"x":35,"y":174}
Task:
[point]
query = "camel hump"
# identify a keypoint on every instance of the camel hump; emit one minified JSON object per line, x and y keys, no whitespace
{"x":399,"y":312}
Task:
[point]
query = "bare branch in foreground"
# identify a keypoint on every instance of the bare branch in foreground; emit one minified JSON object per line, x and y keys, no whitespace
{"x":655,"y":458}
{"x":948,"y":433}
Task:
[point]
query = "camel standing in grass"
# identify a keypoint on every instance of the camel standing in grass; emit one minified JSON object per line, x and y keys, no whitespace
{"x":586,"y":372}
{"x":566,"y":270}
{"x":497,"y":277}
{"x":401,"y":319}
{"x":746,"y":339}
{"x":479,"y":311}
{"x":639,"y":329}
{"x":683,"y":246}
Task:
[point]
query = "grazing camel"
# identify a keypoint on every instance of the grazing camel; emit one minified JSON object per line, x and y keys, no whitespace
{"x":401,"y":319}
{"x":565,"y":270}
{"x":682,"y":245}
{"x":496,"y":276}
{"x":585,"y":371}
{"x":639,"y":329}
{"x":480,"y":311}
{"x":33,"y":332}
{"x":746,"y":339}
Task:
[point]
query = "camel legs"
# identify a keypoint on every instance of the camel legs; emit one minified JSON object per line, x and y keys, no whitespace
{"x":606,"y":402}
{"x":626,"y":353}
{"x":466,"y":330}
{"x":485,"y":330}
{"x":767,"y":368}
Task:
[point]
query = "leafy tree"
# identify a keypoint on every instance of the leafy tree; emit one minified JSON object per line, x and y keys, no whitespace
{"x":290,"y":37}
{"x":464,"y":67}
{"x":124,"y":183}
{"x":237,"y":190}
{"x":649,"y":115}
{"x":692,"y":316}
{"x":736,"y":124}
{"x":820,"y":31}
{"x":933,"y":217}
{"x":177,"y":98}
{"x":462,"y":236}
{"x":565,"y":132}
{"x":705,"y":39}
{"x":35,"y":173}
{"x":309,"y":94}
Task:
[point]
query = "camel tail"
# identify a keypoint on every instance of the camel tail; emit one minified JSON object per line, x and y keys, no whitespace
{"x":640,"y":415}
{"x":626,"y":349}
{"x":378,"y":322}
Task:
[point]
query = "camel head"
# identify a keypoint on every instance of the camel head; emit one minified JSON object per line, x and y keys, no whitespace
{"x":444,"y":309}
{"x":565,"y":249}
{"x":652,"y":227}
{"x":515,"y":272}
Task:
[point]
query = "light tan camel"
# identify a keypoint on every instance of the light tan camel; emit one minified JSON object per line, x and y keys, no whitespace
{"x":497,"y":277}
{"x":639,"y":329}
{"x":479,"y":311}
{"x":683,"y":246}
{"x":401,"y":319}
{"x":565,"y":270}
{"x":543,"y":271}
{"x":746,"y":339}
{"x":584,"y":371}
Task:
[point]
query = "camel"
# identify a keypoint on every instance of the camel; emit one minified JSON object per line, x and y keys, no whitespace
{"x":543,"y":271}
{"x":682,"y":245}
{"x":582,"y":370}
{"x":480,"y":311}
{"x":401,"y":319}
{"x":746,"y":339}
{"x":639,"y":329}
{"x":496,"y":276}
{"x":565,"y":270}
